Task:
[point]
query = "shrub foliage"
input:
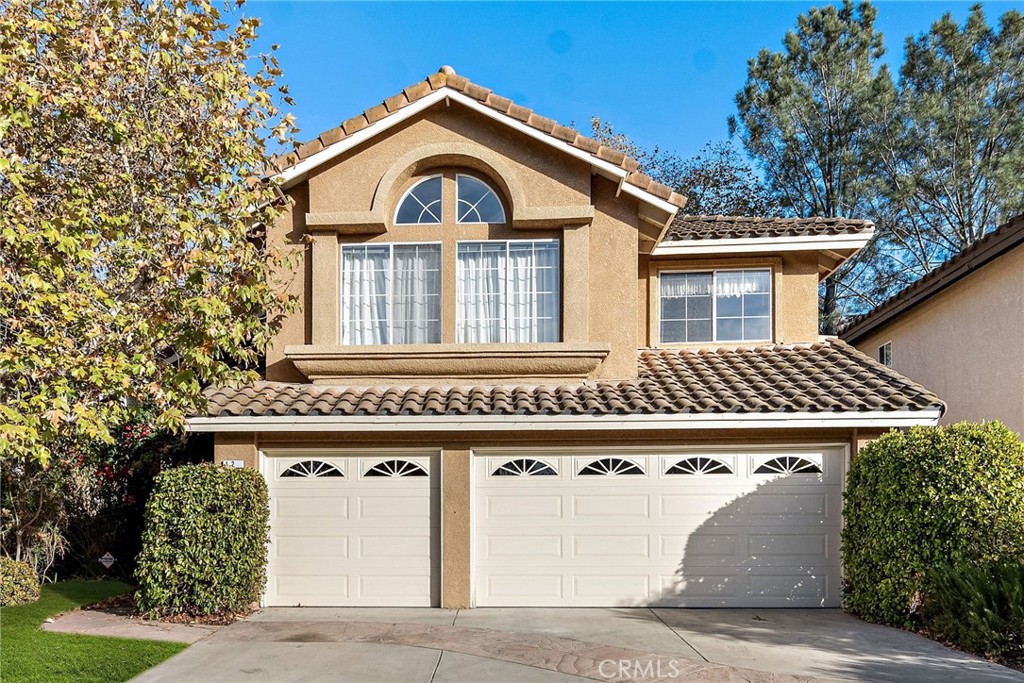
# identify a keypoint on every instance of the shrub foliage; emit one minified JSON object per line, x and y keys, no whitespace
{"x":980,"y":608}
{"x":920,"y":499}
{"x":204,"y":547}
{"x":18,"y":582}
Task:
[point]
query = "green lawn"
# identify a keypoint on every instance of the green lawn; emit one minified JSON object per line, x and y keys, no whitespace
{"x":29,"y":654}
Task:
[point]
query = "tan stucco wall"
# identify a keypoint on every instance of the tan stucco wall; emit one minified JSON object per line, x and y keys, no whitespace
{"x":967,"y":344}
{"x":456,"y":527}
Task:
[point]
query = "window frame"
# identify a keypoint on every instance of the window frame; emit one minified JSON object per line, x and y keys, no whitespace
{"x":885,"y":353}
{"x":419,"y":180}
{"x":489,"y":186}
{"x":391,"y":292}
{"x":504,"y":328}
{"x":714,"y":304}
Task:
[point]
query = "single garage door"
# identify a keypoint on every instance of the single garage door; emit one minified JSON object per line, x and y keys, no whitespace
{"x":352,"y":530}
{"x":738,"y":528}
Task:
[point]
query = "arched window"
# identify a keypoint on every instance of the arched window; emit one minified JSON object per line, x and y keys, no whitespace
{"x":396,"y":468}
{"x":699,"y":465}
{"x":524,"y":467}
{"x":611,"y":466}
{"x":421,"y":203}
{"x":312,"y":468}
{"x":788,"y":464}
{"x":476,"y":202}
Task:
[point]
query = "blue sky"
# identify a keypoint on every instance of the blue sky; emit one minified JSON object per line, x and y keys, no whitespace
{"x":666,"y":73}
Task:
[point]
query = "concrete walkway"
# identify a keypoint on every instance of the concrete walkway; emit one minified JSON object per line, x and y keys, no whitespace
{"x":562,"y":645}
{"x":114,"y":624}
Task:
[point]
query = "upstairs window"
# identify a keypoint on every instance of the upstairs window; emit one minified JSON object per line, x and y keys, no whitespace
{"x":421,"y":203}
{"x":391,"y":294}
{"x":476,"y":202}
{"x":721,"y":305}
{"x":508,"y":292}
{"x":885,"y":354}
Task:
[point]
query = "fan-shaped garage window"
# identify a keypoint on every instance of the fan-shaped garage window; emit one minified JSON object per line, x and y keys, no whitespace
{"x":610,"y":466}
{"x":396,"y":468}
{"x":699,"y":465}
{"x":312,"y":468}
{"x":421,"y":204}
{"x":788,"y":464}
{"x":524,"y":467}
{"x":477,"y":202}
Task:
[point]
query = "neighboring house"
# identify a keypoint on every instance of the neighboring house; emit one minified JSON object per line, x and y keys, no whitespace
{"x":959,"y":330}
{"x":520,"y":377}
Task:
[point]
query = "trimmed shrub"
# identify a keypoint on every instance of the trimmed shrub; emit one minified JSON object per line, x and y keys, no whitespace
{"x":919,"y":499}
{"x":204,"y":546}
{"x":979,"y":609}
{"x":18,"y":583}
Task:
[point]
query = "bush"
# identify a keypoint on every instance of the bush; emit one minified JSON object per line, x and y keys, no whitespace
{"x":978,"y":608}
{"x":204,"y":547}
{"x":920,"y":499}
{"x":18,"y":582}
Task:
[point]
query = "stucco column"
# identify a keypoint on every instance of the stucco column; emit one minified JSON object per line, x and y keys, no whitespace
{"x":576,"y":283}
{"x":235,"y":446}
{"x":325,"y":295}
{"x":456,"y":528}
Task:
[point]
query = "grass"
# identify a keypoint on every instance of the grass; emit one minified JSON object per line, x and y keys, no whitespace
{"x":30,"y":655}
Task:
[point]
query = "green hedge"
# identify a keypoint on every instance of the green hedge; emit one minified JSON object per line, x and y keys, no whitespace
{"x":18,"y":583}
{"x":204,"y":546}
{"x":920,"y":499}
{"x":980,"y":608}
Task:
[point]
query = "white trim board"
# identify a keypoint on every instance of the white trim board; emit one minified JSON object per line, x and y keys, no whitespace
{"x":607,"y":169}
{"x":763,"y":244}
{"x":444,"y":423}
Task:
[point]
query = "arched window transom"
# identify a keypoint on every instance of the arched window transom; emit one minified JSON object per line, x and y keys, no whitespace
{"x":396,"y":468}
{"x":312,"y":468}
{"x":610,"y":466}
{"x":476,"y":202}
{"x":524,"y":467}
{"x":788,"y":464}
{"x":421,"y":203}
{"x":699,"y":465}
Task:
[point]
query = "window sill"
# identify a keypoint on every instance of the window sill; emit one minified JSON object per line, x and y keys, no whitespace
{"x":447,"y":363}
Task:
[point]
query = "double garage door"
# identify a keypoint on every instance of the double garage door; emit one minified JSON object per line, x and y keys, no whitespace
{"x":739,"y":528}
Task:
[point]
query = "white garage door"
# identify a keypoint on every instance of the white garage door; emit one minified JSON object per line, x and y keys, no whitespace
{"x":747,"y":528}
{"x":352,"y":530}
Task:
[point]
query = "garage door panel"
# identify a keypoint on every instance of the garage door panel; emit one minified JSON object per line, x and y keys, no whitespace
{"x":501,"y":506}
{"x":685,"y":538}
{"x":289,"y":547}
{"x":302,"y":506}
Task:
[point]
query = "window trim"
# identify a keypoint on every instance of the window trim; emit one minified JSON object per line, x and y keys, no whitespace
{"x":882,"y":348}
{"x":504,"y":330}
{"x":391,"y":292}
{"x":401,"y":200}
{"x":489,"y":186}
{"x":714,"y":304}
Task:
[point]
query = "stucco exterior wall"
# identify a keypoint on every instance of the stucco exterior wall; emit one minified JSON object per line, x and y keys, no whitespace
{"x":966,"y":344}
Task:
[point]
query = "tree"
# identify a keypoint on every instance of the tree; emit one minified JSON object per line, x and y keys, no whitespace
{"x":951,"y":157}
{"x":131,"y":265}
{"x":717,"y":181}
{"x":808,"y":114}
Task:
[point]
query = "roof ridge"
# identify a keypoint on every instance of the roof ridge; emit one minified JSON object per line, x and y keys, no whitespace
{"x":446,"y":77}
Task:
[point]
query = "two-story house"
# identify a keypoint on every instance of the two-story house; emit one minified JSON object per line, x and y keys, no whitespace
{"x":520,"y":376}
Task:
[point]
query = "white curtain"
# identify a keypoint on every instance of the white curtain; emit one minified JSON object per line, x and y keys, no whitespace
{"x":685,"y":284}
{"x":364,"y":302}
{"x":480,"y":293}
{"x":740,"y":282}
{"x":416,"y":294}
{"x":533,"y":292}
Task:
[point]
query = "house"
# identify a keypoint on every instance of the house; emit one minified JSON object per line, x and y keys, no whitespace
{"x":520,"y":376}
{"x":960,"y":330}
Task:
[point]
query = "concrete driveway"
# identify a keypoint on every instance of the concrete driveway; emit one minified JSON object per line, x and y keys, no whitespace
{"x":523,"y":645}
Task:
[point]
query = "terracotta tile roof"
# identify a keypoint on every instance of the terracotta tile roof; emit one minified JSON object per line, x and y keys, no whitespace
{"x":824,"y":377}
{"x":1003,"y":239}
{"x":446,"y":77}
{"x":734,"y":227}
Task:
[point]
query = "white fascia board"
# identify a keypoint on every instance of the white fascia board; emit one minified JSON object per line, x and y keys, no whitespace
{"x":607,"y":169}
{"x":445,"y":423}
{"x":755,"y":244}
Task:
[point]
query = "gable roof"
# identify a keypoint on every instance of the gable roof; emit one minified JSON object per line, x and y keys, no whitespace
{"x":685,"y":227}
{"x":1003,"y":239}
{"x":448,"y":83}
{"x":826,"y":379}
